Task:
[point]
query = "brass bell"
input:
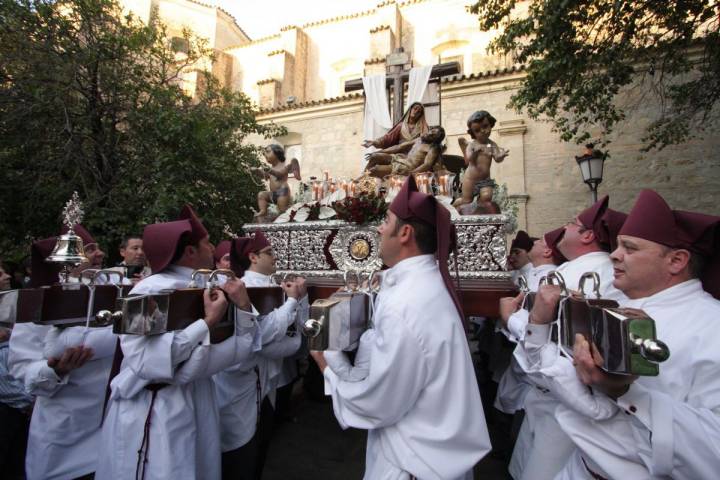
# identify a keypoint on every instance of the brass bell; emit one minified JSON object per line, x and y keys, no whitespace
{"x":68,"y":250}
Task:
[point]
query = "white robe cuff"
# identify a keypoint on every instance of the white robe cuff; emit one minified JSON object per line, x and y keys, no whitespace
{"x":47,"y":382}
{"x":198,"y":333}
{"x":636,"y":402}
{"x":517,"y":324}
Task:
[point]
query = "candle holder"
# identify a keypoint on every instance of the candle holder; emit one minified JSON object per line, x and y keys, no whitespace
{"x":445,"y":182}
{"x":318,"y":187}
{"x":424,"y":182}
{"x":394,"y":184}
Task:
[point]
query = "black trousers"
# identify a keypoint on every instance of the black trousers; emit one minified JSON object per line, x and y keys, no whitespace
{"x":13,"y":442}
{"x":248,"y":461}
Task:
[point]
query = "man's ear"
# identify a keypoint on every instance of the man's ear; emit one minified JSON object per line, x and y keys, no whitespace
{"x":406,"y":233}
{"x":587,"y":237}
{"x":253,"y":257}
{"x":190,"y":250}
{"x":678,"y":260}
{"x":547,"y":253}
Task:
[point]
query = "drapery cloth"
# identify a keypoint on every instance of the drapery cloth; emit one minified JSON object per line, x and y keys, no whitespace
{"x":377,"y":120}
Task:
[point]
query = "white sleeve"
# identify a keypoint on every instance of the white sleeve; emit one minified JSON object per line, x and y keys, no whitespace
{"x":27,"y":363}
{"x":678,"y":439}
{"x":282,"y":347}
{"x":517,"y":324}
{"x":154,"y":357}
{"x":275,"y":324}
{"x":395,"y":379}
{"x":359,"y":369}
{"x":207,"y":360}
{"x":546,"y":368}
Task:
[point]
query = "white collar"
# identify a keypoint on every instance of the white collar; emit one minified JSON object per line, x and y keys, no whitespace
{"x":674,"y":295}
{"x":257,"y":275}
{"x":394,"y":274}
{"x":178,"y":270}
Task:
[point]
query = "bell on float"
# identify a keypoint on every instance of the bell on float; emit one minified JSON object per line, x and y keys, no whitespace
{"x":68,"y":252}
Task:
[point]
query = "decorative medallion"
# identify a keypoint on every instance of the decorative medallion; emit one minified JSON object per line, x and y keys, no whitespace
{"x":356,"y":249}
{"x":359,"y":249}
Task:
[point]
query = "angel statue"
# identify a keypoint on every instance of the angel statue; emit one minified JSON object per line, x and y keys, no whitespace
{"x":276,"y":173}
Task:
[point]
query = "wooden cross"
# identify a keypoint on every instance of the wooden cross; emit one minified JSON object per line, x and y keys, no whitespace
{"x":398,"y":65}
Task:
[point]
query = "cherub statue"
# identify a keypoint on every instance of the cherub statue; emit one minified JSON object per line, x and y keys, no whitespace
{"x":414,"y":156}
{"x":276,"y":173}
{"x":479,"y":154}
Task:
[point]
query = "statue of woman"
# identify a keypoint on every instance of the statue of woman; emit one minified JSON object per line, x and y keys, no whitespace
{"x":410,"y":127}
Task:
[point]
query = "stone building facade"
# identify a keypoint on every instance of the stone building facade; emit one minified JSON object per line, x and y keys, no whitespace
{"x":297,"y":78}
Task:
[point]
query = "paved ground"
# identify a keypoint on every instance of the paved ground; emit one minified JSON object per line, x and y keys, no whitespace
{"x":313,"y":447}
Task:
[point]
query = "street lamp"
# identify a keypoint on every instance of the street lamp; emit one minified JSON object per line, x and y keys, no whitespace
{"x":591,"y":168}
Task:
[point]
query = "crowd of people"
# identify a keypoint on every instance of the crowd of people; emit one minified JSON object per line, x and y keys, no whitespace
{"x":94,"y":404}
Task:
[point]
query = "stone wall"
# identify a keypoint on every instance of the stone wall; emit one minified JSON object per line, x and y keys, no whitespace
{"x":541,"y":170}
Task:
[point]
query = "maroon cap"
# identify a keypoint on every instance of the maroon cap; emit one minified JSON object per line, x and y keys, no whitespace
{"x":612,"y":222}
{"x":222,"y":249}
{"x":160,"y":241}
{"x":522,"y":241}
{"x":552,"y":238}
{"x":409,"y":204}
{"x":651,"y":218}
{"x":244,"y":246}
{"x":198,"y":229}
{"x":81,"y":232}
{"x":43,"y":273}
{"x":604,"y":222}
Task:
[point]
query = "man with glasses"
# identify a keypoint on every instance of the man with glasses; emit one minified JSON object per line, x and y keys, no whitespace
{"x":586,"y":242}
{"x":246,"y":392}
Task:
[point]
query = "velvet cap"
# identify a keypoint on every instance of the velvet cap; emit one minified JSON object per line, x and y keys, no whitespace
{"x":222,"y":249}
{"x":552,"y":238}
{"x":43,"y":273}
{"x":160,"y":240}
{"x":604,"y":222}
{"x":651,"y":218}
{"x":522,"y":241}
{"x":242,"y":247}
{"x":409,"y":204}
{"x":198,"y":229}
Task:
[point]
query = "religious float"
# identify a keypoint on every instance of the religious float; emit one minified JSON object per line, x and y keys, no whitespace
{"x":332,"y":230}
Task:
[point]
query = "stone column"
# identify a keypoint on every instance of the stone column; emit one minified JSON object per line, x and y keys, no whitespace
{"x":511,"y":171}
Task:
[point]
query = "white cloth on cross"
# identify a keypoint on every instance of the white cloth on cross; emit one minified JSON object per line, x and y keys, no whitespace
{"x":377,"y":120}
{"x":419,"y":78}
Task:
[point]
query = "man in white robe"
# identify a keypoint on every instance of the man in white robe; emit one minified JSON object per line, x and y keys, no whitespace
{"x":245,"y":391}
{"x":162,"y":417}
{"x":512,"y":387}
{"x":420,"y":399}
{"x":67,"y":371}
{"x":585,"y":242}
{"x":666,"y":426}
{"x":519,"y":257}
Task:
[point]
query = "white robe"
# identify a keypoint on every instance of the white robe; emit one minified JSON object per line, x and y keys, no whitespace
{"x":65,"y":426}
{"x":236,"y":386}
{"x":420,"y":400}
{"x":666,"y":426}
{"x":531,"y":459}
{"x":512,"y":387}
{"x":523,"y":271}
{"x":184,"y":437}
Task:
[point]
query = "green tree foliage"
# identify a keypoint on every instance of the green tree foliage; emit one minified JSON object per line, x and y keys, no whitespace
{"x":90,"y":100}
{"x":583,"y":56}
